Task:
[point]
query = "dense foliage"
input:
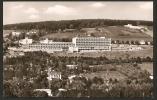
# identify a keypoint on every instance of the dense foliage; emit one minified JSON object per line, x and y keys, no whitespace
{"x":26,"y":73}
{"x":53,"y":26}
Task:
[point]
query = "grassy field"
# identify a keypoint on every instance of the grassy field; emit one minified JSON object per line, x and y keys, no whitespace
{"x":106,"y":75}
{"x":110,"y":54}
{"x":69,"y":35}
{"x":6,"y":32}
{"x":147,"y":66}
{"x":121,"y":71}
{"x":114,"y":32}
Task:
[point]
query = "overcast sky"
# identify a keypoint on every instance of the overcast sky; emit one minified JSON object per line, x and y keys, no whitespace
{"x":17,"y":12}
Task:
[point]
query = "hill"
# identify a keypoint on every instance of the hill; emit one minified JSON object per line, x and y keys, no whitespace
{"x":114,"y":32}
{"x":77,"y":24}
{"x":98,"y":27}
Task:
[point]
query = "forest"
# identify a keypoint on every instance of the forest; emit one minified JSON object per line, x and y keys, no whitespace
{"x":54,"y":26}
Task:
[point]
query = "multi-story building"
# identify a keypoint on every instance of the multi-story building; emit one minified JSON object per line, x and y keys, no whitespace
{"x":92,"y":43}
{"x":50,"y":47}
{"x":78,"y":44}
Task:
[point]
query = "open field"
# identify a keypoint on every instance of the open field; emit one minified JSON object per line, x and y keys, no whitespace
{"x":69,"y":35}
{"x":114,"y":32}
{"x":107,"y":75}
{"x":120,"y":72}
{"x":6,"y":32}
{"x":110,"y":54}
{"x":147,"y":66}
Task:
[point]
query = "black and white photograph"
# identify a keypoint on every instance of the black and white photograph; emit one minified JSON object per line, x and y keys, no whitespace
{"x":78,"y":49}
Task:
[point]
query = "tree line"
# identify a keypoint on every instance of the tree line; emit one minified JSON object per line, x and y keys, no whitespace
{"x":54,"y":26}
{"x":64,"y":60}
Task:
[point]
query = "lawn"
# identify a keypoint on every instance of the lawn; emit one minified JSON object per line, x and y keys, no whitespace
{"x":110,"y":54}
{"x":147,"y":66}
{"x":107,"y":75}
{"x":114,"y":32}
{"x":121,"y":71}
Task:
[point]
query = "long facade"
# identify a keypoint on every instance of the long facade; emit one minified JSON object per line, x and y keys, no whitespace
{"x":92,"y":43}
{"x":78,"y":44}
{"x":54,"y":46}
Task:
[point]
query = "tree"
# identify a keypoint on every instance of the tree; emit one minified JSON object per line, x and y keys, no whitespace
{"x":123,"y":42}
{"x":138,"y":60}
{"x":112,"y":42}
{"x":151,"y":42}
{"x":132,"y":42}
{"x":97,"y":80}
{"x":137,"y":43}
{"x":18,"y":89}
{"x":40,"y":94}
{"x":127,"y":42}
{"x":71,"y":26}
{"x":22,"y":36}
{"x":35,"y":37}
{"x":55,"y":85}
{"x":117,"y":41}
{"x":148,"y":59}
{"x":8,"y":89}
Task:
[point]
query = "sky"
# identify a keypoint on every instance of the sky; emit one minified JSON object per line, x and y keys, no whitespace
{"x":20,"y":12}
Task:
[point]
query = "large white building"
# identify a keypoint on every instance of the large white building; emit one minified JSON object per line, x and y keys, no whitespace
{"x":16,"y":33}
{"x":134,"y":27}
{"x":49,"y":47}
{"x":92,"y":43}
{"x":78,"y":44}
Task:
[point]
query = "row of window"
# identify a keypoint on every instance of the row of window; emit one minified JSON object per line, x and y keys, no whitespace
{"x":95,"y":49}
{"x":47,"y":48}
{"x":107,"y":47}
{"x":92,"y":45}
{"x":51,"y":44}
{"x":59,"y":46}
{"x":93,"y":39}
{"x":93,"y":42}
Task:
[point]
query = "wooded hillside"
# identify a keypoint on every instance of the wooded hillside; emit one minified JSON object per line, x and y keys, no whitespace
{"x":53,"y":26}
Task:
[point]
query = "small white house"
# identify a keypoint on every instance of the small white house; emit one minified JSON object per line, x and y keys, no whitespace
{"x":133,"y":27}
{"x":26,"y":41}
{"x":71,"y":66}
{"x":21,"y":53}
{"x":142,"y":42}
{"x":71,"y":78}
{"x":61,"y":89}
{"x":16,"y":33}
{"x":31,"y":32}
{"x":53,"y":74}
{"x":148,"y":43}
{"x":151,"y":77}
